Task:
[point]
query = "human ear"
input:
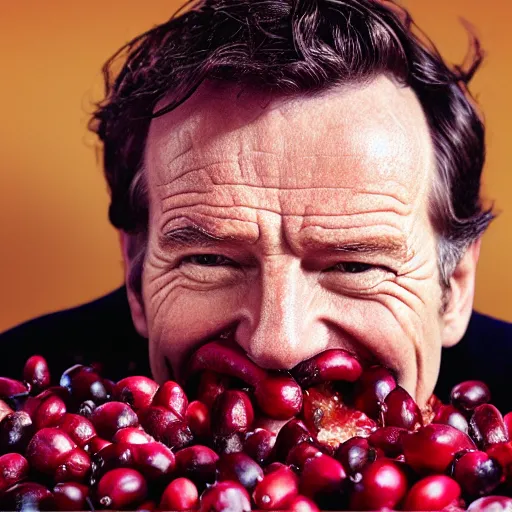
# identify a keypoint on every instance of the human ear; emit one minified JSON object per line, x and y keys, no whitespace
{"x":459,"y":305}
{"x":133,"y":249}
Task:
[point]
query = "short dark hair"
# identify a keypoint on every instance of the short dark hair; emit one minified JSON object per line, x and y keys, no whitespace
{"x":295,"y":47}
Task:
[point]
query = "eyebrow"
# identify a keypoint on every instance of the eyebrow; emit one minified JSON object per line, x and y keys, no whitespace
{"x":194,"y":236}
{"x":375,"y":245}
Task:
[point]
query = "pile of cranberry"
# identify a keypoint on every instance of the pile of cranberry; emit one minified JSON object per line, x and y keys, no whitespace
{"x":328,"y":435}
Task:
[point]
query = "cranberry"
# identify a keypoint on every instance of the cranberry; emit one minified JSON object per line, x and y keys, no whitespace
{"x":355,"y":453}
{"x":154,"y":460}
{"x":198,"y":419}
{"x":80,"y":429}
{"x":136,"y":391}
{"x":156,"y":420}
{"x":491,"y":504}
{"x":132,"y":435}
{"x":290,"y":435}
{"x":400,"y":410}
{"x":383,"y":485}
{"x":502,"y":452}
{"x":232,"y":412}
{"x":259,"y":444}
{"x":180,"y":494}
{"x":36,"y":372}
{"x":225,"y":496}
{"x":112,"y":416}
{"x":211,"y":385}
{"x":449,"y":415}
{"x":389,"y":440}
{"x":71,"y":496}
{"x":27,"y":497}
{"x":372,"y":388}
{"x":121,"y":488}
{"x":198,"y":463}
{"x":172,"y":397}
{"x":47,"y":448}
{"x":84,"y":383}
{"x":147,"y":506}
{"x":46,"y":409}
{"x":487,"y":426}
{"x":477,"y":473}
{"x":16,"y":430}
{"x":86,"y":409}
{"x":468,"y":395}
{"x":95,"y":445}
{"x":302,"y":504}
{"x":112,"y":456}
{"x":330,"y":365}
{"x":433,"y":447}
{"x":276,"y":490}
{"x":177,"y":435}
{"x":240,"y":468}
{"x":74,"y":465}
{"x":228,"y":360}
{"x":279,"y":397}
{"x":321,"y":474}
{"x":435,"y":492}
{"x":300,"y":454}
{"x":11,"y":387}
{"x":13,"y":468}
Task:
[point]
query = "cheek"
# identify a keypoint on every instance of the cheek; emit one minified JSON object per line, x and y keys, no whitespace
{"x":179,"y":318}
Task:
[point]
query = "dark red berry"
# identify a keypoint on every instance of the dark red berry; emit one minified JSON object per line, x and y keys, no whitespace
{"x":121,"y":488}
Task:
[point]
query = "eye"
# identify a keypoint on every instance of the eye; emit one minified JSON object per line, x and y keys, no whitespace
{"x":208,"y":260}
{"x":351,"y":267}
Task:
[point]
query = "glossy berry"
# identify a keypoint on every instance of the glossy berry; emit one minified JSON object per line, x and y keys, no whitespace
{"x":477,"y":473}
{"x":74,"y":466}
{"x":450,"y":415}
{"x":355,"y":453}
{"x":232,"y":412}
{"x":16,"y":430}
{"x":302,"y":504}
{"x":239,"y":467}
{"x":469,"y":394}
{"x":435,"y":492}
{"x":225,"y":496}
{"x":27,"y":497}
{"x":383,"y":485}
{"x":389,"y":440}
{"x":491,"y":504}
{"x":279,"y":397}
{"x":198,"y":463}
{"x":198,"y":419}
{"x":433,"y":447}
{"x":400,"y":410}
{"x":121,"y":488}
{"x":132,"y":435}
{"x":112,"y":416}
{"x":171,"y":396}
{"x":154,"y":460}
{"x":487,"y":427}
{"x":258,"y":444}
{"x":47,"y":449}
{"x":70,"y":496}
{"x":13,"y":468}
{"x":136,"y":391}
{"x":180,"y":494}
{"x":276,"y":490}
{"x":301,"y":453}
{"x":46,"y":409}
{"x":79,"y":428}
{"x":372,"y":388}
{"x":36,"y":373}
{"x":290,"y":435}
{"x":321,"y":474}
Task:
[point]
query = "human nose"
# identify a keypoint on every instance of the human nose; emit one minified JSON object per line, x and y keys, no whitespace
{"x":281,"y":318}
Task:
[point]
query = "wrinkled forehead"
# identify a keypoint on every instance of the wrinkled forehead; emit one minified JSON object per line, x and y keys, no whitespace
{"x":350,"y":135}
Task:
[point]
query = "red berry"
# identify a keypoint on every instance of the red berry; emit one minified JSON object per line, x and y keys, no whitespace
{"x":468,"y":395}
{"x":276,"y":490}
{"x":400,"y":410}
{"x":198,"y":463}
{"x":435,"y":492}
{"x":491,"y":504}
{"x":372,"y":388}
{"x":301,"y":453}
{"x":259,"y":444}
{"x":449,"y":415}
{"x":13,"y":468}
{"x":121,"y":488}
{"x":198,"y":419}
{"x":10,"y":387}
{"x":16,"y":430}
{"x":47,"y":448}
{"x":487,"y":427}
{"x":211,"y":385}
{"x":232,"y":412}
{"x":321,"y":474}
{"x":180,"y":494}
{"x":71,"y":496}
{"x":291,"y":434}
{"x":80,"y":429}
{"x":132,"y":435}
{"x":383,"y":485}
{"x":225,"y":496}
{"x":355,"y":453}
{"x":74,"y":466}
{"x":279,"y":397}
{"x":477,"y":473}
{"x":154,"y":460}
{"x":27,"y":496}
{"x":36,"y":372}
{"x":171,"y":396}
{"x":433,"y":447}
{"x":389,"y":440}
{"x":302,"y":504}
{"x":136,"y":391}
{"x":112,"y":416}
{"x":46,"y":409}
{"x":239,"y":467}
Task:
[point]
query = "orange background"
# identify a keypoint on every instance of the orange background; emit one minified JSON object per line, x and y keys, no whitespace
{"x":57,"y":248}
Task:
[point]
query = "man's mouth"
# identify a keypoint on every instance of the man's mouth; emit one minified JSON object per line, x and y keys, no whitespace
{"x":337,"y":394}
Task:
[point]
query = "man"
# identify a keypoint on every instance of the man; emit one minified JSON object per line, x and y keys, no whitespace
{"x":297,"y":176}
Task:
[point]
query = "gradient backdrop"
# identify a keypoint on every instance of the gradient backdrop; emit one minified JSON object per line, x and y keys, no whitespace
{"x":57,"y":248}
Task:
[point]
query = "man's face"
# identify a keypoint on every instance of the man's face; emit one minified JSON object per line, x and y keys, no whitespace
{"x":301,"y":224}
